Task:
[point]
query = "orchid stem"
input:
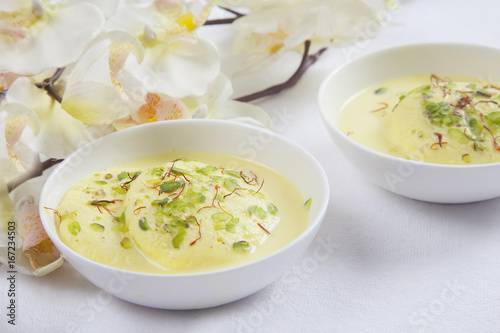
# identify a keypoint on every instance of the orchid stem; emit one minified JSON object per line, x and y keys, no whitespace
{"x":226,"y":20}
{"x":33,"y":173}
{"x":48,"y":85}
{"x":306,"y":62}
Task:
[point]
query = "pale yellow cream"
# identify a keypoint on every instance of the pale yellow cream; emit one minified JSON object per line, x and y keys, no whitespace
{"x":427,"y":118}
{"x":182,"y":216}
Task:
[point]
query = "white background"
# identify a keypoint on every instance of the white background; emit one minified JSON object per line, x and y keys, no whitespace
{"x":380,"y":262}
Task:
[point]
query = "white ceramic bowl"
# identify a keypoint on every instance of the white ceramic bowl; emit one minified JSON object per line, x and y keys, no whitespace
{"x":423,"y":181}
{"x":200,"y":290}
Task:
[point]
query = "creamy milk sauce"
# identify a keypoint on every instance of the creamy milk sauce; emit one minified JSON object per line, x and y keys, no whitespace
{"x":99,"y":237}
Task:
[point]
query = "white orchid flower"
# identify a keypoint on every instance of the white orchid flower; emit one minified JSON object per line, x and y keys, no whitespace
{"x":51,"y":131}
{"x":98,"y":91}
{"x":177,"y":63}
{"x":40,"y":34}
{"x":266,"y":35}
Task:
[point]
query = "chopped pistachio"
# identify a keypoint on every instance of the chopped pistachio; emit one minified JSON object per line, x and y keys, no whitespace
{"x":457,"y":135}
{"x":230,"y":227}
{"x":231,"y":184}
{"x":122,"y":175}
{"x":242,"y":246}
{"x":143,"y":224}
{"x":158,"y":171}
{"x":122,"y":223}
{"x":232,"y":173}
{"x":126,"y":243}
{"x":380,"y":91}
{"x":74,"y":228}
{"x":220,"y":217}
{"x":206,"y":170}
{"x":179,"y":237}
{"x":97,"y":227}
{"x":160,"y":202}
{"x":100,"y":182}
{"x":271,"y":208}
{"x":181,"y":223}
{"x":171,"y":186}
{"x":119,"y":190}
{"x":108,"y":176}
{"x":258,"y":211}
{"x":494,"y":117}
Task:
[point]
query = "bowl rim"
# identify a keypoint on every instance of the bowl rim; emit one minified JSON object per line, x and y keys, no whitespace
{"x":315,"y":223}
{"x":386,"y":49}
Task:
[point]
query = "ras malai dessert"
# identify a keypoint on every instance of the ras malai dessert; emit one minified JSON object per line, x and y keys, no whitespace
{"x":427,"y":118}
{"x":183,"y":216}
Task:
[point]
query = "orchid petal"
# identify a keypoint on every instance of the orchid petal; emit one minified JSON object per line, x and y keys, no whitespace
{"x":107,"y":7}
{"x":6,"y":209}
{"x":37,"y":245}
{"x":8,"y":5}
{"x":122,"y":44}
{"x":158,"y":109}
{"x":59,"y":133}
{"x":179,"y":68}
{"x":68,"y":33}
{"x":93,"y":103}
{"x":92,"y":66}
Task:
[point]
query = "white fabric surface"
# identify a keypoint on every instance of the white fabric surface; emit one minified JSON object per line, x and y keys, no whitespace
{"x":380,"y":263}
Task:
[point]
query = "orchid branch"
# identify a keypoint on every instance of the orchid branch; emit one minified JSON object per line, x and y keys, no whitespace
{"x":34,"y":172}
{"x":227,"y":20}
{"x":48,"y":85}
{"x":306,"y":62}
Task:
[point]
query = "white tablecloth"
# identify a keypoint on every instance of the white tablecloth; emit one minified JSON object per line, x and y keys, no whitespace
{"x":380,"y":263}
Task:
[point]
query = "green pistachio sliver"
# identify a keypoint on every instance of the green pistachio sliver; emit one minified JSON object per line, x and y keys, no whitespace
{"x":143,"y":224}
{"x":380,"y":91}
{"x":231,"y":184}
{"x":230,"y":227}
{"x":97,"y":227}
{"x":258,"y":211}
{"x":232,"y":173}
{"x":74,"y":228}
{"x":108,"y":176}
{"x":457,"y":135}
{"x":122,"y":175}
{"x":158,"y":171}
{"x":206,"y":170}
{"x":170,"y":228}
{"x":179,"y":237}
{"x":466,"y":158}
{"x":171,"y":186}
{"x":160,"y":202}
{"x":126,"y":243}
{"x":483,"y":93}
{"x":271,"y":208}
{"x":220,"y":217}
{"x":219,"y":226}
{"x":307,"y":204}
{"x":191,"y":220}
{"x":119,"y":190}
{"x":121,"y":220}
{"x":242,"y":246}
{"x":494,"y":117}
{"x":182,"y":224}
{"x":100,"y":182}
